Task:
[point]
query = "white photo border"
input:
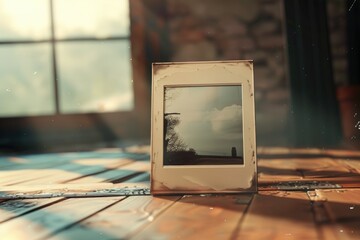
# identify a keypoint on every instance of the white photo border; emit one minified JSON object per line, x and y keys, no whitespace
{"x":203,"y":178}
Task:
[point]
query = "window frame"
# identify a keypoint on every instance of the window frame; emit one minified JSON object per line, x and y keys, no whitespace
{"x":62,"y":130}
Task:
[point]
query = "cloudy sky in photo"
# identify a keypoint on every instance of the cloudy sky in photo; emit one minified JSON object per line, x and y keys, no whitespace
{"x":210,"y":117}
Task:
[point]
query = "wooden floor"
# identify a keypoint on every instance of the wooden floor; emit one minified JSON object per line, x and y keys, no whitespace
{"x":303,"y":194}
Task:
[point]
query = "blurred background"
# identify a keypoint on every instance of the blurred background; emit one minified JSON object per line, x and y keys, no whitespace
{"x":76,"y":74}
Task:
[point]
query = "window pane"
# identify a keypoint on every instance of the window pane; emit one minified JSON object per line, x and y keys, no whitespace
{"x":91,"y":18}
{"x":24,"y":19}
{"x":26,"y":86}
{"x":95,"y":76}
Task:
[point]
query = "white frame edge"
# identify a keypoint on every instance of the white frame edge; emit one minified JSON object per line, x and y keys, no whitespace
{"x":203,"y":178}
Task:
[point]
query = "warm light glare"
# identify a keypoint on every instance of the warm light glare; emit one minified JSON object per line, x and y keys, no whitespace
{"x":24,"y":19}
{"x":108,"y":162}
{"x":91,"y":17}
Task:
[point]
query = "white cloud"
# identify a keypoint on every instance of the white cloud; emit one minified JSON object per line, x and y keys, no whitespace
{"x":227,"y":122}
{"x":188,"y":100}
{"x":213,"y":132}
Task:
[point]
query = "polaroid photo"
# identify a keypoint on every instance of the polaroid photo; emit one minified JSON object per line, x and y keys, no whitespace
{"x":203,"y":128}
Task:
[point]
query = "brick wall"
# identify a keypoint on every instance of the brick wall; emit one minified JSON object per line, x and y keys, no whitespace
{"x":233,"y":29}
{"x":249,"y":29}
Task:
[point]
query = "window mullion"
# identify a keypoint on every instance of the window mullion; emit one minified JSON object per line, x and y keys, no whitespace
{"x":53,"y":48}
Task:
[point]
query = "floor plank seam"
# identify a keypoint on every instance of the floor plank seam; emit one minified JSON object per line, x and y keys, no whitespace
{"x":81,"y":220}
{"x":31,"y":210}
{"x":95,"y":173}
{"x":241,"y":220}
{"x":126,"y":178}
{"x":351,"y":168}
{"x":317,"y":205}
{"x":132,"y":235}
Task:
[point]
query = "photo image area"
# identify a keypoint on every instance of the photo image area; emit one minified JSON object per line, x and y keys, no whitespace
{"x":203,"y":125}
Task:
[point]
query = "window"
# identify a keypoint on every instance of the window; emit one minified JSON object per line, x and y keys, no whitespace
{"x":66,"y":73}
{"x":64,"y":57}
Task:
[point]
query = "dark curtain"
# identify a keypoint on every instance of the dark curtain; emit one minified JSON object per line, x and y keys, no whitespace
{"x":353,"y":40}
{"x":314,"y":110}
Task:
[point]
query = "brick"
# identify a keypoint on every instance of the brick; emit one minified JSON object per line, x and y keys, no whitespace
{"x":263,"y":72}
{"x":230,"y":26}
{"x":265,"y":28}
{"x":340,"y":64}
{"x":278,"y":56}
{"x":273,"y":9}
{"x":278,"y":95}
{"x":265,"y":82}
{"x":230,"y":55}
{"x":257,"y":56}
{"x":247,"y":43}
{"x":271,"y":42}
{"x":277,"y":68}
{"x":336,"y":8}
{"x":250,"y":11}
{"x":337,"y":38}
{"x":204,"y":50}
{"x":177,"y":8}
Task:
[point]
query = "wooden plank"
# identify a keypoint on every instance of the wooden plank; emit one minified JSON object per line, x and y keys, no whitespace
{"x":67,"y":187}
{"x":33,"y":161}
{"x":297,"y":168}
{"x":28,"y":169}
{"x":332,"y":171}
{"x":14,"y":208}
{"x":353,"y":165}
{"x":60,"y":172}
{"x":328,"y":170}
{"x":31,"y":176}
{"x":337,"y":153}
{"x":12,"y":176}
{"x":116,"y":175}
{"x":343,"y":153}
{"x":77,"y":170}
{"x":70,"y":162}
{"x":337,"y":213}
{"x":323,"y":165}
{"x":143,"y":177}
{"x":289,"y":151}
{"x":276,"y":170}
{"x":278,"y":215}
{"x":45,"y":222}
{"x":119,"y":221}
{"x":198,"y":217}
{"x":323,"y":168}
{"x":74,"y":190}
{"x":6,"y":162}
{"x":42,"y":161}
{"x":51,"y":188}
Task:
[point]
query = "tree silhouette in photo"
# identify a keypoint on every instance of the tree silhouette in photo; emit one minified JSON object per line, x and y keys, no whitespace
{"x":176,"y":151}
{"x":173,"y":142}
